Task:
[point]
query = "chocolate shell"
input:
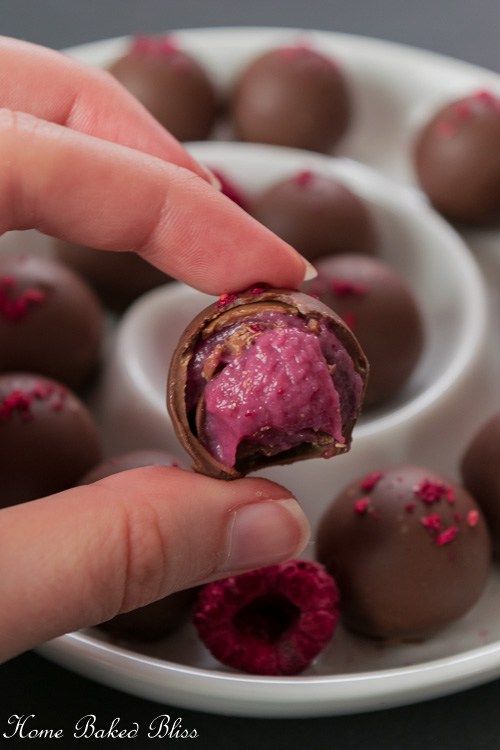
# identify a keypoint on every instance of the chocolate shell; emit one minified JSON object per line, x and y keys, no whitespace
{"x":170,"y":84}
{"x":409,"y":550}
{"x":118,"y":278}
{"x":51,"y":322}
{"x":371,"y":297}
{"x":292,"y":96}
{"x":481,"y":474}
{"x":317,"y":215}
{"x":457,"y":159}
{"x":48,"y":438}
{"x":283,"y":385}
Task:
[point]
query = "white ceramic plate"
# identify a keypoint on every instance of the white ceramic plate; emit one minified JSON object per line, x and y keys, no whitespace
{"x":394,"y":88}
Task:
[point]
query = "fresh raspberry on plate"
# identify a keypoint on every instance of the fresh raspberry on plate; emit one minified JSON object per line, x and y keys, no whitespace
{"x":272,"y":621}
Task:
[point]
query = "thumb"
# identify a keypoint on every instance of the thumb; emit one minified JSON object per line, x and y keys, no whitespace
{"x":85,"y":555}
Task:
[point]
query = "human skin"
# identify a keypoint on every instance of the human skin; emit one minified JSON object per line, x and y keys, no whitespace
{"x":83,"y":161}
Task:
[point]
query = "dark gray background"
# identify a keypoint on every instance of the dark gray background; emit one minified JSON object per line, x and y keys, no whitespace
{"x":469,"y":29}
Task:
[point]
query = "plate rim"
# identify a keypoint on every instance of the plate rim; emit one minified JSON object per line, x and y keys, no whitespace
{"x":408,"y":684}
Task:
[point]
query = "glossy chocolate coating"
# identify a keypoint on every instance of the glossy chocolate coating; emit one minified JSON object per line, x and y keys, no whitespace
{"x":50,"y":321}
{"x":47,"y":437}
{"x":481,"y":474}
{"x":127,"y":461}
{"x":154,"y":621}
{"x":317,"y":215}
{"x":118,"y":278}
{"x":171,"y":85}
{"x":457,"y":159}
{"x":292,"y":96}
{"x":234,"y":310}
{"x":379,"y":307}
{"x":410,"y":552}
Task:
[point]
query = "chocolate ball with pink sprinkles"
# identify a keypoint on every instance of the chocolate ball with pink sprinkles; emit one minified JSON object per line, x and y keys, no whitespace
{"x":171,"y":84}
{"x":318,"y":215}
{"x":265,"y":377}
{"x":48,"y":438}
{"x":457,"y":159}
{"x":272,"y":621}
{"x":410,"y":552}
{"x":50,"y":320}
{"x":382,"y":312}
{"x":292,"y":96}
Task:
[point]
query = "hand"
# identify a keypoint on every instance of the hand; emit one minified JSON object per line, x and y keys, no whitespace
{"x":80,"y":159}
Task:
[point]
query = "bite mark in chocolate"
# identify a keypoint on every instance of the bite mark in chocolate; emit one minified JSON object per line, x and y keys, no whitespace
{"x":265,"y":377}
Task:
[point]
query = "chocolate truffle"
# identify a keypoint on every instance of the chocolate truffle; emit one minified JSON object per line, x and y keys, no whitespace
{"x":117,"y":277}
{"x":481,"y":474}
{"x":154,"y":621}
{"x":128,"y":461}
{"x":47,"y":438}
{"x":170,"y":84}
{"x":410,"y":552}
{"x":264,"y":377}
{"x":379,"y":307}
{"x":50,"y":321}
{"x":292,"y":96}
{"x":317,"y":215}
{"x":457,"y":159}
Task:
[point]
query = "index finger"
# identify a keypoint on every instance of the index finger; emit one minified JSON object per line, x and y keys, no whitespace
{"x":109,"y":197}
{"x":56,"y":88}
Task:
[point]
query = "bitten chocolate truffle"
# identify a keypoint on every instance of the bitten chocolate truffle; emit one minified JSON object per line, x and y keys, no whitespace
{"x":457,"y":159}
{"x":409,"y":550}
{"x":317,"y":215}
{"x":379,"y":307}
{"x":50,"y":321}
{"x":170,"y":84}
{"x":264,"y":377}
{"x":118,"y":278}
{"x":128,"y":461}
{"x":47,"y":438}
{"x":156,"y":620}
{"x":292,"y":96}
{"x":481,"y":474}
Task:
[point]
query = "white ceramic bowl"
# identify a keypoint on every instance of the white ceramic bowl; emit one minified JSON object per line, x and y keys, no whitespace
{"x":394,"y":88}
{"x":425,"y":250}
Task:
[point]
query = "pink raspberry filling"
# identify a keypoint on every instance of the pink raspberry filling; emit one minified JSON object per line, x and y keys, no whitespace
{"x":278,"y":394}
{"x":289,"y":384}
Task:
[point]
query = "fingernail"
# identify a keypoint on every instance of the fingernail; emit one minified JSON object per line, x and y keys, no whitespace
{"x":310,"y":272}
{"x":265,"y":533}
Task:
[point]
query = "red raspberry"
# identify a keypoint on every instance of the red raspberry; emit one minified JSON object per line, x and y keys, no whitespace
{"x":272,"y":621}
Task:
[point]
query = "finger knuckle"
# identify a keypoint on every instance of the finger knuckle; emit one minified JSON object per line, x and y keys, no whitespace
{"x":144,"y":555}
